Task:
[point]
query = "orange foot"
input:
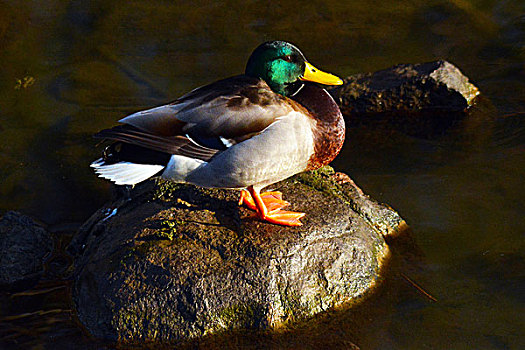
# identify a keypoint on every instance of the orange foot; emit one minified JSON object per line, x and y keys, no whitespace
{"x":272,"y":200}
{"x":283,"y":217}
{"x":268,"y":206}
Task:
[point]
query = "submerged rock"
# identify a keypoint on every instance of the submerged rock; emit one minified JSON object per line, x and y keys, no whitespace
{"x":24,"y":246}
{"x":177,"y":262}
{"x":418,"y":99}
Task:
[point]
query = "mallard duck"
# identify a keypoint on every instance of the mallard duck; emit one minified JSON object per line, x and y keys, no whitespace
{"x":244,"y":132}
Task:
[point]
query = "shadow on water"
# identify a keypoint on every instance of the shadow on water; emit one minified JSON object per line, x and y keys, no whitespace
{"x":71,"y":68}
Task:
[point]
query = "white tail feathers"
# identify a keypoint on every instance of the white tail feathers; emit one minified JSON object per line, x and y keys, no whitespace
{"x":125,"y":173}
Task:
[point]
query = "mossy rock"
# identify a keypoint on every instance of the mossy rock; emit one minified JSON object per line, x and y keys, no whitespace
{"x":175,"y":262}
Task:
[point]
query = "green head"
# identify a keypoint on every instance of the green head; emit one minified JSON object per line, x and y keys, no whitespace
{"x":281,"y":65}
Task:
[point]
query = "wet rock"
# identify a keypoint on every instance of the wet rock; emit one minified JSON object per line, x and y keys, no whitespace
{"x":24,"y":246}
{"x":418,"y":99}
{"x":177,"y":261}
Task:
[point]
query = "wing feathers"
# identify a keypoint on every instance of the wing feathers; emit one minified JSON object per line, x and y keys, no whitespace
{"x":231,"y":108}
{"x":125,"y":173}
{"x":207,"y":120}
{"x":173,"y":145}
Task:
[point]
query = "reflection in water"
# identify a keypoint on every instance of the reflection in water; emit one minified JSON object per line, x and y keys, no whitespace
{"x":462,"y":192}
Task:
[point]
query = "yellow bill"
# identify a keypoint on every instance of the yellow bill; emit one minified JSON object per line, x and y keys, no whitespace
{"x":318,"y":76}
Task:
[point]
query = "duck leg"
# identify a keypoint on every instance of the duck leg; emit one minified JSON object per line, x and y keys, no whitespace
{"x":276,"y":216}
{"x":272,"y":200}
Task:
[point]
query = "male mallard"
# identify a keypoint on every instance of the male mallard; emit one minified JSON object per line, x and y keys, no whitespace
{"x":243,"y":132}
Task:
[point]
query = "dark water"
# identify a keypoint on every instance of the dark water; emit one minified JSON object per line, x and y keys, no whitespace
{"x":71,"y":68}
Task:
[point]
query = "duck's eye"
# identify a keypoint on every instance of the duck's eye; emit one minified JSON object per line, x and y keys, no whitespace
{"x":288,"y":58}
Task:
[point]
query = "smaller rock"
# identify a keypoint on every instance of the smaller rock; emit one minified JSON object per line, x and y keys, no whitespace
{"x":24,"y":247}
{"x":418,"y":99}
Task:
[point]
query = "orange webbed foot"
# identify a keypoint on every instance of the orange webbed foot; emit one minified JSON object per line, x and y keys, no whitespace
{"x":272,"y":200}
{"x":268,"y":206}
{"x":283,"y":217}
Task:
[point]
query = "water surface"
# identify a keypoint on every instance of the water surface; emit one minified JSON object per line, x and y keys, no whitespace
{"x":71,"y":68}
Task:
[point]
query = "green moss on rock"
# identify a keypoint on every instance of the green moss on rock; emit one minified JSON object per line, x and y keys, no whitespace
{"x":321,"y":180}
{"x":165,"y":189}
{"x":293,"y":309}
{"x":247,"y":315}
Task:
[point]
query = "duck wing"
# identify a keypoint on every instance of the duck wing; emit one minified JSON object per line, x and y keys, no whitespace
{"x":233,"y":110}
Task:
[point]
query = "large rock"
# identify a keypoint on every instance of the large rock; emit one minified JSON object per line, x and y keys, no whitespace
{"x":419,"y":99}
{"x":24,"y":246}
{"x":176,"y":261}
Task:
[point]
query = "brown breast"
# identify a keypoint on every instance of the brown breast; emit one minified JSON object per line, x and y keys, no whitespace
{"x":329,"y":130}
